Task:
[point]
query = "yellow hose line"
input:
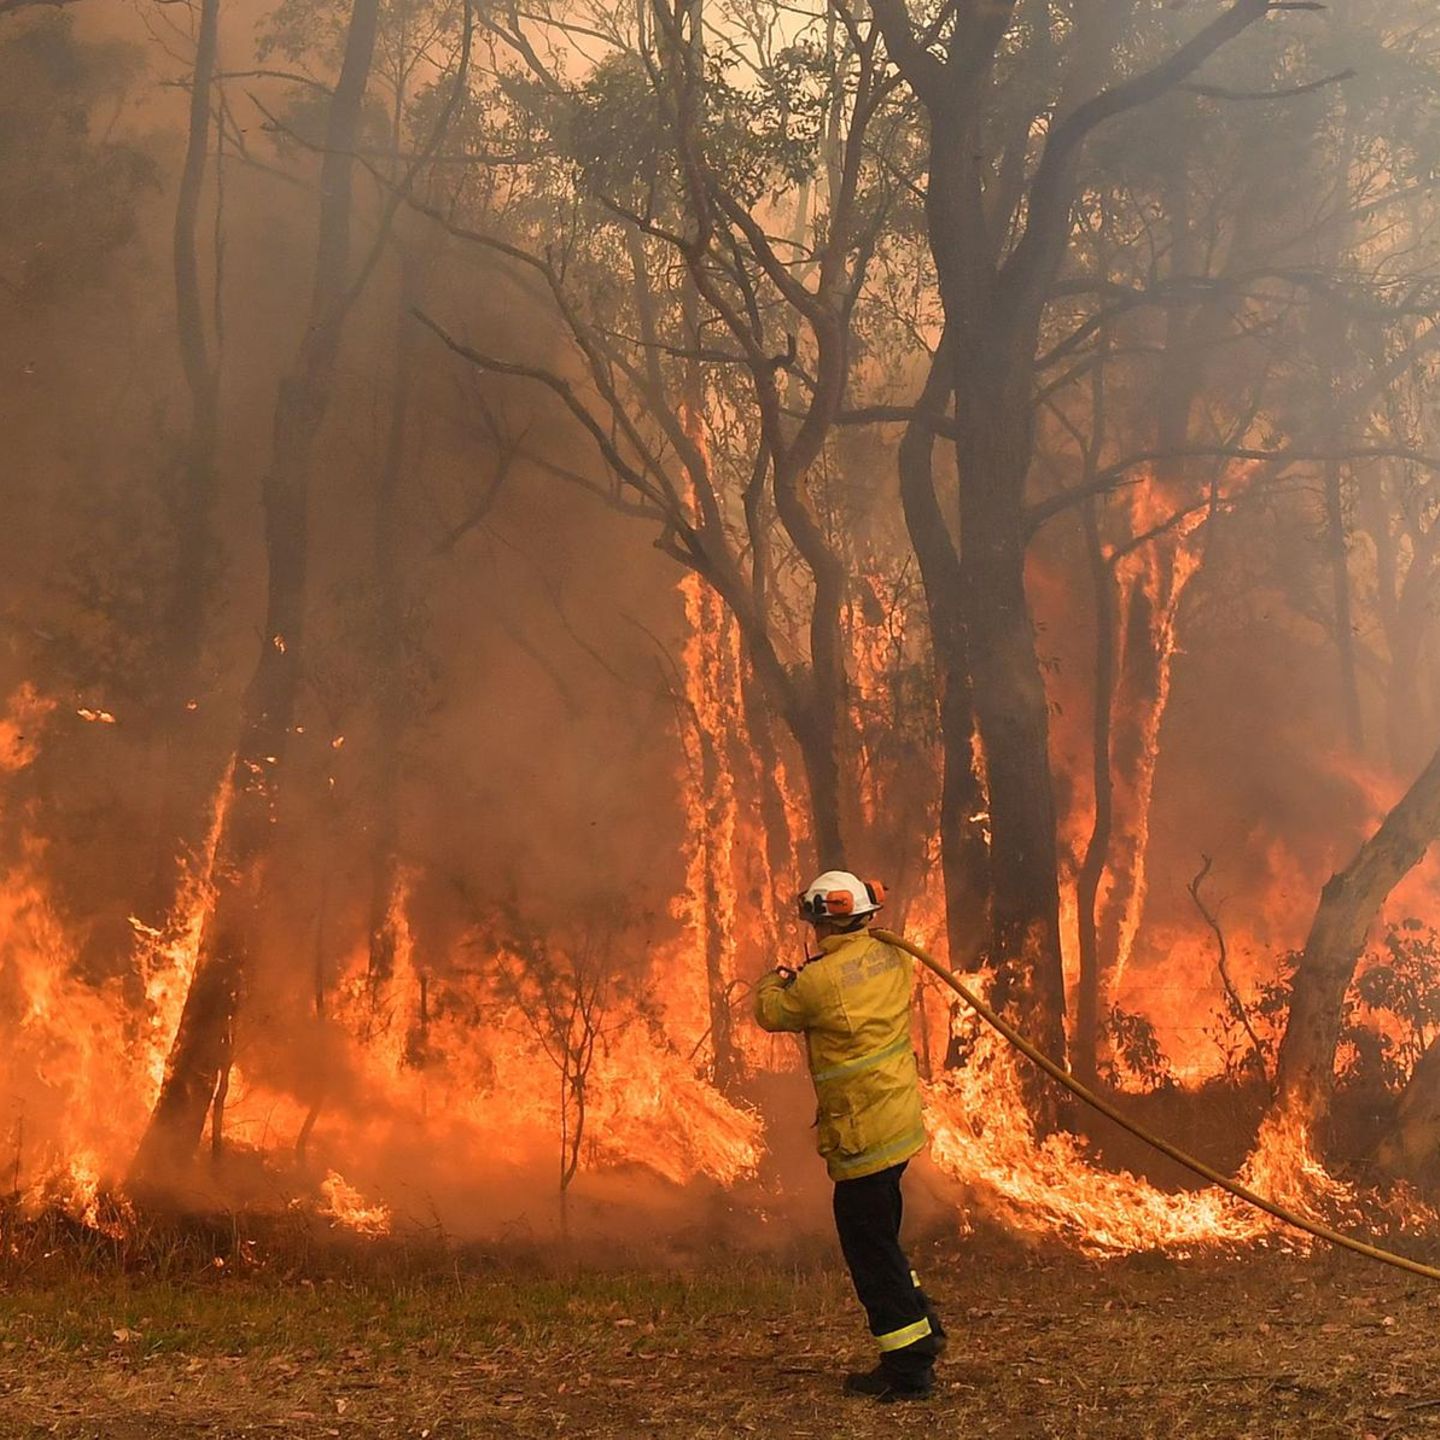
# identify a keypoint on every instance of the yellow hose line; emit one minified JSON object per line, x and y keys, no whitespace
{"x":1065,"y":1078}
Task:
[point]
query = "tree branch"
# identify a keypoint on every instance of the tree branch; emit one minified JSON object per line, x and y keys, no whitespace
{"x":1113,"y":476}
{"x":562,"y":388}
{"x":1051,"y":192}
{"x":939,"y":423}
{"x":1221,"y":92}
{"x":924,"y":72}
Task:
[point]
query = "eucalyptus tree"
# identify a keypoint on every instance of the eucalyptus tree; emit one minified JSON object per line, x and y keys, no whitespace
{"x":1172,"y":339}
{"x":186,"y":783}
{"x":200,"y":1057}
{"x":1376,"y":370}
{"x":1012,"y":94}
{"x":1275,"y":218}
{"x":1244,"y":259}
{"x":696,"y":219}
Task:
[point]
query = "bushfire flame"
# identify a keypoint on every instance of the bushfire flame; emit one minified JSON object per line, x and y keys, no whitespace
{"x":568,"y":1063}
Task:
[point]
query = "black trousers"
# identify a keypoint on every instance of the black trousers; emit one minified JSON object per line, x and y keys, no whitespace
{"x":868,"y":1212}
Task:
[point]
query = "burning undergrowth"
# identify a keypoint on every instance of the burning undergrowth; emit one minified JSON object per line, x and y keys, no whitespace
{"x":586,"y":1065}
{"x":558,"y":1077}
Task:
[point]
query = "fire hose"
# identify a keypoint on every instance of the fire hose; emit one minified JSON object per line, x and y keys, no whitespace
{"x":1157,"y":1142}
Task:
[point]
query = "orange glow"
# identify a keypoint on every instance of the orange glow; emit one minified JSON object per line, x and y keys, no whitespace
{"x":471,"y":1057}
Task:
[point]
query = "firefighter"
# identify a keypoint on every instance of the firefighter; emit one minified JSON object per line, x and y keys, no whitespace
{"x":851,"y":1001}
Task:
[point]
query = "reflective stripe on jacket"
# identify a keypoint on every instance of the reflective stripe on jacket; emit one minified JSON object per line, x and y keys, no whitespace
{"x":853,"y":1004}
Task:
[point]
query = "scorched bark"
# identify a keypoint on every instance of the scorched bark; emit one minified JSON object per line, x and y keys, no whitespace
{"x":1348,"y":905}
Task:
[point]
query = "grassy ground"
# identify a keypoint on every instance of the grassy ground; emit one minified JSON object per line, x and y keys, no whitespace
{"x":1262,"y":1346}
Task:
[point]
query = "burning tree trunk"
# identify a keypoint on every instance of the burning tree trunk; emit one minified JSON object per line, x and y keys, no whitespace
{"x":390,"y":686}
{"x":200,"y":1055}
{"x":1348,"y":904}
{"x":1140,"y":607}
{"x":764,"y":757}
{"x":183,"y":790}
{"x":708,"y":692}
{"x":718,"y":916}
{"x":1097,"y":850}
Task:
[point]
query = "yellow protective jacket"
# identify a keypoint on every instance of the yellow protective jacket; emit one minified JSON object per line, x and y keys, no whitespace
{"x":852,"y":1002}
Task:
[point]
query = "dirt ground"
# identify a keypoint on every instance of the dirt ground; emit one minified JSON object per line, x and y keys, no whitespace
{"x":1260,"y":1346}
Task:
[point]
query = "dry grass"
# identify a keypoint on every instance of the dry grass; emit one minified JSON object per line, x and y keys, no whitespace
{"x":1261,"y":1346}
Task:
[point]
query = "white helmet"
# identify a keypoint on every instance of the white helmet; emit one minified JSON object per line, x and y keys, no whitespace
{"x":839,"y":895}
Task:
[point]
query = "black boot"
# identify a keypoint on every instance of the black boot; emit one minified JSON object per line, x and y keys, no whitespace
{"x":937,"y":1330}
{"x":884,"y":1385}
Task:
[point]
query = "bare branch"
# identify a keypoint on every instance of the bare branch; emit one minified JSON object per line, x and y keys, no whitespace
{"x":1221,"y":92}
{"x":1051,"y":193}
{"x":562,"y":388}
{"x":291,"y":77}
{"x":937,"y":422}
{"x":1113,"y":476}
{"x":1237,"y":1006}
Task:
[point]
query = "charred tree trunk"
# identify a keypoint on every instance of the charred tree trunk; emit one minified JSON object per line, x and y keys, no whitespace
{"x":992,"y":346}
{"x":1348,"y":904}
{"x":1092,"y":867}
{"x":818,"y":738}
{"x":994,"y":300}
{"x":182,"y":783}
{"x":390,"y":687}
{"x":199,"y":1055}
{"x":1011,"y":710}
{"x":964,"y":853}
{"x":774,"y":818}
